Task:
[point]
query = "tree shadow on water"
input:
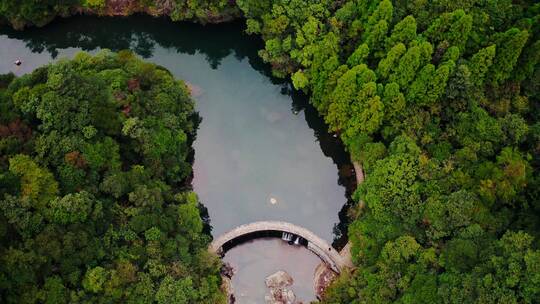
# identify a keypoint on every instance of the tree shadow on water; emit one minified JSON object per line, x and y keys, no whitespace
{"x":141,"y":34}
{"x":332,"y":147}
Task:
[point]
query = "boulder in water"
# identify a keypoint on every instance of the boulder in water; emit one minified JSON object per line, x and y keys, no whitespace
{"x":278,"y":279}
{"x":279,"y":284}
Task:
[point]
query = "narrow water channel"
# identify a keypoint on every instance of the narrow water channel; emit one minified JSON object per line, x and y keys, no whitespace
{"x":261,"y":152}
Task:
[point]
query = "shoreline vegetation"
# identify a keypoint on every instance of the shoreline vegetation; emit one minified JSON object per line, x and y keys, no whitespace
{"x":437,"y":101}
{"x":95,"y":157}
{"x":21,"y":14}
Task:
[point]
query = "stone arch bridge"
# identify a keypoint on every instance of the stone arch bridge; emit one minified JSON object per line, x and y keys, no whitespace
{"x":317,"y":245}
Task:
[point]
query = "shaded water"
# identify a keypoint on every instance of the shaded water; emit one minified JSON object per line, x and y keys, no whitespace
{"x":261,"y":153}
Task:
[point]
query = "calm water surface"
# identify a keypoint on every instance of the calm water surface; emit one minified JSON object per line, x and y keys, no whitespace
{"x":257,"y":259}
{"x":259,"y":142}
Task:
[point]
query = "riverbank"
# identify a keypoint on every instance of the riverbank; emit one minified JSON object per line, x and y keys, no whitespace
{"x":20,"y":15}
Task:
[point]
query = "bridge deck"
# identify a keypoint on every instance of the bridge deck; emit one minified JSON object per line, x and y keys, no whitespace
{"x":316,"y":244}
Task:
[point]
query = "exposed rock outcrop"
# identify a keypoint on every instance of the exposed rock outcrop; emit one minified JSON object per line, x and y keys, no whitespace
{"x":280,"y":284}
{"x":227,"y":270}
{"x":226,"y":287}
{"x":323,"y":277}
{"x":278,"y":279}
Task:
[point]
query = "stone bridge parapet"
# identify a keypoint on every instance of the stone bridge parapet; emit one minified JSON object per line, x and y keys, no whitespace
{"x":317,"y":245}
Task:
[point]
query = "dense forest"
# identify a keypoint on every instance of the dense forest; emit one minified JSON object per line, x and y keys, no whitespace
{"x":95,"y":201}
{"x":437,"y":101}
{"x":20,"y":13}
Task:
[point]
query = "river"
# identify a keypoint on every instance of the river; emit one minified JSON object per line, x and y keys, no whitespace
{"x":261,"y":152}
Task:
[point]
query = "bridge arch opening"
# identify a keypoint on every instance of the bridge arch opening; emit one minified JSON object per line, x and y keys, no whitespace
{"x":258,"y":235}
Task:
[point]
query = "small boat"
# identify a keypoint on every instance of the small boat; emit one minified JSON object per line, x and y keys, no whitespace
{"x":18,"y":62}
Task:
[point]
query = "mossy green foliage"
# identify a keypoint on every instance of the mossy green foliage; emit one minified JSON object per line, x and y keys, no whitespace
{"x":94,"y":4}
{"x":94,"y":207}
{"x":438,"y":100}
{"x":22,"y":12}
